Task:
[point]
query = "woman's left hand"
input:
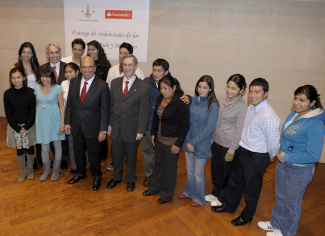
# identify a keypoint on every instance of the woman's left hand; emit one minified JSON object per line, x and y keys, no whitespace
{"x":280,"y":157}
{"x":175,"y":149}
{"x":61,"y":130}
{"x":190,"y":148}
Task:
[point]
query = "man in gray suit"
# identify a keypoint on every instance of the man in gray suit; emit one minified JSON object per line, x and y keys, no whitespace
{"x":129,"y":114}
{"x":86,"y":117}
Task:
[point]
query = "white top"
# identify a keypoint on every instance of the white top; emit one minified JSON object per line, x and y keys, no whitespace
{"x":65,"y":87}
{"x":31,"y":81}
{"x":261,"y":131}
{"x":114,"y":73}
{"x":69,"y":59}
{"x":89,"y":83}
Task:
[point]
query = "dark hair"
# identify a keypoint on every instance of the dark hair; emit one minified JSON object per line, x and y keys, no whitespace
{"x":260,"y":82}
{"x":78,"y":41}
{"x":33,"y":61}
{"x":171,"y":82}
{"x":128,"y":46}
{"x":239,"y":80}
{"x":211,"y":95}
{"x":47,"y":71}
{"x":19,"y":69}
{"x":311,"y":94}
{"x":73,"y":66}
{"x":102,"y":59}
{"x":161,"y":62}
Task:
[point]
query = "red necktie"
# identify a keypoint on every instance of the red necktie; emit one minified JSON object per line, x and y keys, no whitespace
{"x":56,"y":74}
{"x":125,"y":89}
{"x":83,"y":92}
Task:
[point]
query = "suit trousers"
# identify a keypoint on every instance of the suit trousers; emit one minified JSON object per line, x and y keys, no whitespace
{"x":247,"y":179}
{"x":164,"y":174}
{"x":220,"y":169}
{"x":121,"y":148}
{"x":148,"y":153}
{"x":92,"y":145}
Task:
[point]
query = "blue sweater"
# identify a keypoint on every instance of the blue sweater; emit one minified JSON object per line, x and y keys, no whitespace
{"x":302,"y":140}
{"x":202,"y":124}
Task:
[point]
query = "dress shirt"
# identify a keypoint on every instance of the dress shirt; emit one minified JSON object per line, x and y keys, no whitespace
{"x":83,"y":82}
{"x":261,"y":131}
{"x":57,"y":69}
{"x":114,"y":72}
{"x":131,"y":81}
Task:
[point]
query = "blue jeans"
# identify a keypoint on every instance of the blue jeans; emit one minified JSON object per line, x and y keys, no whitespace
{"x":195,"y":184}
{"x":290,"y":185}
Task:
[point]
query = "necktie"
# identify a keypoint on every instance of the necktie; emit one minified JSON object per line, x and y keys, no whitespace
{"x":56,"y":74}
{"x":125,"y":89}
{"x":83,"y":92}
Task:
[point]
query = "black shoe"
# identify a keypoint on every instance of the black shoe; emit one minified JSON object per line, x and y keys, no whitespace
{"x":64,"y":165}
{"x":130,"y":186}
{"x":76,"y":179}
{"x":35,"y":166}
{"x":239,"y":221}
{"x":218,"y":209}
{"x":160,"y":201}
{"x":112,"y":184}
{"x":96,"y":185}
{"x":72,"y":172}
{"x":147,"y":180}
{"x":146,"y":193}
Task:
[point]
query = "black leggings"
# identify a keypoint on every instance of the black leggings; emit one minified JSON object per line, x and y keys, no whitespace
{"x":29,"y":151}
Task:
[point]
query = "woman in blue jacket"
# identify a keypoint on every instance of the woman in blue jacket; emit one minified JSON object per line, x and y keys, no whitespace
{"x":301,"y":146}
{"x":197,"y":145}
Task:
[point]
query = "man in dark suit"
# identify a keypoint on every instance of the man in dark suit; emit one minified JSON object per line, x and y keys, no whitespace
{"x":53,"y":53}
{"x":129,"y":115}
{"x":86,"y":117}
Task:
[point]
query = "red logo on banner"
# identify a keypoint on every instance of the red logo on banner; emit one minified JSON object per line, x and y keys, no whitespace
{"x":118,"y":14}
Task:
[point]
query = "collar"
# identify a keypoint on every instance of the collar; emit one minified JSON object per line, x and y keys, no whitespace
{"x":57,"y":64}
{"x":259,"y":106}
{"x":88,"y":81}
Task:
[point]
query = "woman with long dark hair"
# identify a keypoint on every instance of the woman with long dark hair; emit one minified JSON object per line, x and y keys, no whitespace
{"x":19,"y":103}
{"x":169,"y":130}
{"x":301,"y":146}
{"x":203,"y":117}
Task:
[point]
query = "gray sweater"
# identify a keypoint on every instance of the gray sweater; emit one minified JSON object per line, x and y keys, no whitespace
{"x":228,"y":128}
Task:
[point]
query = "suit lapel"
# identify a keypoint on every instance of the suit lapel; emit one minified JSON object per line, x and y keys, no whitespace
{"x":133,"y":88}
{"x":119,"y":87}
{"x":92,"y":89}
{"x":77,"y":88}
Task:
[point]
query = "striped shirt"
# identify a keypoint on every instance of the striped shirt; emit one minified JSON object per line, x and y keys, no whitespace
{"x":261,"y":131}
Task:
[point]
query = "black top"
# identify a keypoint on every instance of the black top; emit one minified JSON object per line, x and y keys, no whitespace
{"x":20,"y":107}
{"x":102,"y":70}
{"x":175,"y":120}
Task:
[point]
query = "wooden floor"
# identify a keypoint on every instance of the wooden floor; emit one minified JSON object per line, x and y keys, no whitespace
{"x":57,"y":208}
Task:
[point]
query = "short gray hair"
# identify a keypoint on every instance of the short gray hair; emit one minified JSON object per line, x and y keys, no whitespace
{"x":47,"y":49}
{"x":135,"y":60}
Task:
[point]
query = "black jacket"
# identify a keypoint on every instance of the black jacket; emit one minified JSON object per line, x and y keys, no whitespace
{"x":175,"y":120}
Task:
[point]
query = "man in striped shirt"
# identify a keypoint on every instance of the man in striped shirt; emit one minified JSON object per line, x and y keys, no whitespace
{"x":260,"y":141}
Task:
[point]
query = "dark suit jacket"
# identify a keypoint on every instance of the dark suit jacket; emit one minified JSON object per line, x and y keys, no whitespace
{"x":93,"y":115}
{"x":129,"y":115}
{"x":61,"y":73}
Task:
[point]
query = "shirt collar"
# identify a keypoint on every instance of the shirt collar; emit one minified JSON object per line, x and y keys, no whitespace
{"x":57,"y":64}
{"x":259,"y":106}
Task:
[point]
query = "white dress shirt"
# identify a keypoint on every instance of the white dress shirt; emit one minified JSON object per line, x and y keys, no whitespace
{"x":88,"y":85}
{"x":114,"y":72}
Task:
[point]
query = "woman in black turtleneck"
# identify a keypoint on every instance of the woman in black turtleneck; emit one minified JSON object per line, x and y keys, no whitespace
{"x":19,"y":102}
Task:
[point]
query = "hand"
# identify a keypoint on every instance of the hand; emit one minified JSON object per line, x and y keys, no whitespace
{"x":185,"y":99}
{"x":139,"y":136}
{"x":67,"y":129}
{"x":229,"y":156}
{"x":101,"y":136}
{"x":109,"y":130}
{"x":190,"y":148}
{"x":175,"y":149}
{"x":22,"y":130}
{"x":61,"y":130}
{"x":280,"y":157}
{"x":153,"y":140}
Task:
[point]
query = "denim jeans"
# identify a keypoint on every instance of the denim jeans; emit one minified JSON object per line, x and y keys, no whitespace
{"x":290,"y":185}
{"x":195,"y":184}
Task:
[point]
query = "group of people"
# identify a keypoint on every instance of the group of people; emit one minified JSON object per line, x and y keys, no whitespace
{"x":71,"y":110}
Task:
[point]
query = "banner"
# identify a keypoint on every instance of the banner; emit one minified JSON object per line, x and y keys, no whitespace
{"x":110,"y":22}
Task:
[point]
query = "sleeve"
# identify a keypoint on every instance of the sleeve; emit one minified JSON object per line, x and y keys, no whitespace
{"x":9,"y":112}
{"x":184,"y":116}
{"x":155,"y":119}
{"x":314,"y":144}
{"x":208,"y":130}
{"x":271,"y":128}
{"x":238,"y":130}
{"x":139,"y":73}
{"x":105,"y":108}
{"x":144,"y":112}
{"x":32,"y":112}
{"x":110,"y":77}
{"x":68,"y":108}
